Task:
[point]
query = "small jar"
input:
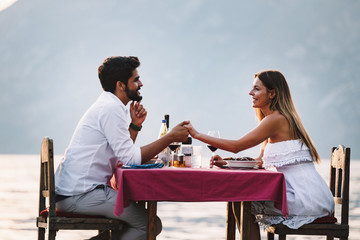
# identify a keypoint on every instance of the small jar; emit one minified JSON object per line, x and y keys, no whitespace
{"x":179,"y":161}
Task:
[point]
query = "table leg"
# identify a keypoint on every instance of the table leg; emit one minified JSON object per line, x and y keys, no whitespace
{"x":233,"y":215}
{"x":230,"y":222}
{"x":141,"y":203}
{"x":245,"y":220}
{"x":152,"y":209}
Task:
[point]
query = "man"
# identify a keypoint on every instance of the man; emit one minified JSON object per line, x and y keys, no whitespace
{"x":103,"y":139}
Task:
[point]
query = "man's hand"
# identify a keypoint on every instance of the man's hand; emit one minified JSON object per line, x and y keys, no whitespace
{"x":179,"y":133}
{"x":137,"y":113}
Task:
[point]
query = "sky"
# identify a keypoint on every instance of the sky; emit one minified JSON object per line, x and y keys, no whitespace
{"x":198,"y":59}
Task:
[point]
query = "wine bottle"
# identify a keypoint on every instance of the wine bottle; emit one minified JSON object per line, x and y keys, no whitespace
{"x":164,"y":155}
{"x":163,"y":128}
{"x":166,"y":117}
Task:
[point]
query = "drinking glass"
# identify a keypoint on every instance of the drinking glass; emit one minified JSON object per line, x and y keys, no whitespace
{"x":173,"y":148}
{"x":213,"y":133}
{"x":196,"y":157}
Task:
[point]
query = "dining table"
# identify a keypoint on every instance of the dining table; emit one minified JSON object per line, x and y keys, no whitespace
{"x":237,"y":187}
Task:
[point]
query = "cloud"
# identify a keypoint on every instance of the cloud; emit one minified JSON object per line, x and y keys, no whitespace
{"x":333,"y":97}
{"x":296,"y":52}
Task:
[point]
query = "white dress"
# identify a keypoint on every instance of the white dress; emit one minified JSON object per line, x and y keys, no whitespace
{"x":308,"y":196}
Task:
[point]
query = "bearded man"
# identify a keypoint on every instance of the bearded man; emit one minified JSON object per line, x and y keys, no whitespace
{"x":102,"y":140}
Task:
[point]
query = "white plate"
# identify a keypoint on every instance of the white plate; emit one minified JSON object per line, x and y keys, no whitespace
{"x":240,"y":164}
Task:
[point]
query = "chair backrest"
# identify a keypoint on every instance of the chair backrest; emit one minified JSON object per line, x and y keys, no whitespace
{"x":47,"y":182}
{"x":340,"y":179}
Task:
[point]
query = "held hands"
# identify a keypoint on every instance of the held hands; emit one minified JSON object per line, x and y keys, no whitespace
{"x":217,"y":161}
{"x":192,"y":130}
{"x":138,"y":113}
{"x":179,"y":133}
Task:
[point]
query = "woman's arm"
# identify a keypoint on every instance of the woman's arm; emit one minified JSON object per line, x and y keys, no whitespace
{"x":266,"y":128}
{"x":259,"y":158}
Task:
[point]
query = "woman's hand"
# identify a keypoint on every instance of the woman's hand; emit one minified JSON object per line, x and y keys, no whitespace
{"x":259,"y":162}
{"x":217,"y":161}
{"x":192,"y":130}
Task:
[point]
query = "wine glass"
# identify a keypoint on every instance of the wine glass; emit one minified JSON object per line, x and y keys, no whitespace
{"x":173,"y":148}
{"x":213,"y":133}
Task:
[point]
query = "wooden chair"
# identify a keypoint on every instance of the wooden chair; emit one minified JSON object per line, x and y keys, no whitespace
{"x":339,"y":186}
{"x":51,"y":219}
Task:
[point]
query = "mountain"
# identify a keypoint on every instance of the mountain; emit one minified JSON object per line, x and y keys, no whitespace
{"x":198,"y":62}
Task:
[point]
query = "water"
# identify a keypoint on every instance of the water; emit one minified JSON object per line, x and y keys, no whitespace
{"x":19,"y":186}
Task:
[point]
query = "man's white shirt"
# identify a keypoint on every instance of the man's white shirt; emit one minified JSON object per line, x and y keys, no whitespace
{"x":100,"y":140}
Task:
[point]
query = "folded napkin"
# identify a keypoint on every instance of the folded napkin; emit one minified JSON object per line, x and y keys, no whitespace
{"x":144,"y":166}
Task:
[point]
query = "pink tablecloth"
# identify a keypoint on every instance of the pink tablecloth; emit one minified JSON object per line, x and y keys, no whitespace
{"x":199,"y":185}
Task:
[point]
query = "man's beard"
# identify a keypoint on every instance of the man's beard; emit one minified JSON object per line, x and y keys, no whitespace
{"x":132,"y":94}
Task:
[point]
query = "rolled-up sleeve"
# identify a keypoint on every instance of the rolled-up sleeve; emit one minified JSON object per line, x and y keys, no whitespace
{"x":113,"y":122}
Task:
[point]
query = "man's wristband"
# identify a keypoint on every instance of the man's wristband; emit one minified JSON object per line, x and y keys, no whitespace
{"x":135,"y":127}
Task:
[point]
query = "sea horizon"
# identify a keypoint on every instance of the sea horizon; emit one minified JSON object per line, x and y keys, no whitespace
{"x":19,"y":189}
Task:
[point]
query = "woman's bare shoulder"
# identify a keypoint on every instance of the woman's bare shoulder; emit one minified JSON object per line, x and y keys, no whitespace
{"x":276,"y":120}
{"x":275,"y":116}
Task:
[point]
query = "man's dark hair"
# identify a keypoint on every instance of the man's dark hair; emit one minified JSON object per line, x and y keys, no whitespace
{"x":115,"y":69}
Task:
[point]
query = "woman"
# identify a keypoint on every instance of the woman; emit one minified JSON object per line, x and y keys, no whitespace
{"x":287,"y":147}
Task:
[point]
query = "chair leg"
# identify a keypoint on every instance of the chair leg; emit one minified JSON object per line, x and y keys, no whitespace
{"x":115,"y":235}
{"x":102,"y":235}
{"x":329,"y":238}
{"x":41,"y":233}
{"x":52,"y":234}
{"x":105,"y":234}
{"x":282,"y":237}
{"x":270,"y":236}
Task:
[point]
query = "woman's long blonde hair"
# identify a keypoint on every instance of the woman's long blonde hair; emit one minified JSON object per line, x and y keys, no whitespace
{"x":274,"y":80}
